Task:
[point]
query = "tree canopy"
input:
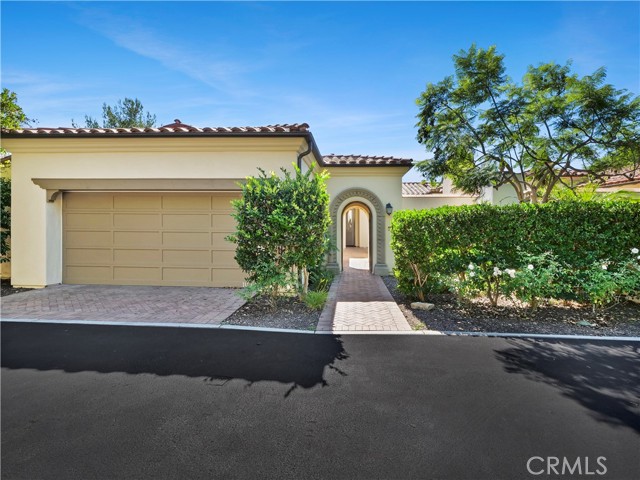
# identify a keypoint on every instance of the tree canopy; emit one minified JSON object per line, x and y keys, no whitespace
{"x":486,"y":130}
{"x":125,"y":113}
{"x":11,"y":114}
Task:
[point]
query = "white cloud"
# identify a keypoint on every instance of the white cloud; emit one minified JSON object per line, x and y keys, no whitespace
{"x":210,"y":68}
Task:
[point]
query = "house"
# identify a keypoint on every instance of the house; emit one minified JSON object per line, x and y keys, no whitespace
{"x":151,"y":206}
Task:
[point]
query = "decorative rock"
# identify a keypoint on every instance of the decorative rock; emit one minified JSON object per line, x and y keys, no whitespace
{"x":422,"y":306}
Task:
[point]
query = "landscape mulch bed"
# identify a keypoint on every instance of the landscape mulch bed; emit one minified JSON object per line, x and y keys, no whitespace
{"x":290,"y":312}
{"x":7,"y":289}
{"x":451,"y":315}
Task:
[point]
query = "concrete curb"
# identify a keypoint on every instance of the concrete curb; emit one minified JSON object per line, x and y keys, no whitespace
{"x":101,"y":322}
{"x":541,"y":335}
{"x":432,"y":333}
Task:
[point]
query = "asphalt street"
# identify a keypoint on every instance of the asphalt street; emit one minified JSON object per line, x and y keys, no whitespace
{"x":111,"y":402}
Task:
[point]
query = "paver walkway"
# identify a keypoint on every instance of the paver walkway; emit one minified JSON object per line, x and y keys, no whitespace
{"x":359,"y":301}
{"x":124,"y":304}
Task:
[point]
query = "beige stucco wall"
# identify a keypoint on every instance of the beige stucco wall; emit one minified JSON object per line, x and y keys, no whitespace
{"x":36,"y":229}
{"x":504,"y":195}
{"x":383,"y":182}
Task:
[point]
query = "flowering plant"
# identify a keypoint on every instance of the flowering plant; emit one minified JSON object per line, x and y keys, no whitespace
{"x":541,"y":278}
{"x":606,"y":282}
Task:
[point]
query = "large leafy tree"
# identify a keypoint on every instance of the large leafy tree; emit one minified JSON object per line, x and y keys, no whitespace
{"x":486,"y":130}
{"x":125,"y":113}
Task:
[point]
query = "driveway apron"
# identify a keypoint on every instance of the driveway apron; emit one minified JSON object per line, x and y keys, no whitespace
{"x":108,"y":303}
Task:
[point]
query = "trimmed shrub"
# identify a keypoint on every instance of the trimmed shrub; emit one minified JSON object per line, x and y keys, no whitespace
{"x":281,"y":231}
{"x":509,"y":249}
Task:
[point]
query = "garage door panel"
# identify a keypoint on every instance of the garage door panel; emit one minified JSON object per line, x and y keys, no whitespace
{"x":88,"y":256}
{"x":88,"y":220}
{"x":186,"y":239}
{"x":137,"y":239}
{"x":137,"y":202}
{"x":227,"y":277}
{"x":137,"y":221}
{"x":136,"y":273}
{"x":186,"y":276}
{"x":137,"y":256}
{"x":224,"y":258}
{"x":218,"y":241}
{"x":149,"y":239}
{"x":186,"y":257}
{"x":88,"y":274}
{"x":186,"y":202}
{"x":223,"y":223}
{"x":222,"y":203}
{"x":95,"y":201}
{"x":176,"y":221}
{"x":88,"y":239}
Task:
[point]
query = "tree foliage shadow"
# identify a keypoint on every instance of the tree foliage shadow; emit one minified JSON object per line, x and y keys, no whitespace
{"x":601,"y":376}
{"x":217,"y":356}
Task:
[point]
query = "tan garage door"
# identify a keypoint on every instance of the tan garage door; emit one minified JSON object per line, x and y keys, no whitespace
{"x":149,"y":239}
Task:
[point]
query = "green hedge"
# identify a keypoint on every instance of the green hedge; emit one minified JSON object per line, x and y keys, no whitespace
{"x":432,"y":247}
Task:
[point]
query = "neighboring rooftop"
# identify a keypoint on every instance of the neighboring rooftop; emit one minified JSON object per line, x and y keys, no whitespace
{"x":419,"y":189}
{"x":622,"y":178}
{"x":334,"y":160}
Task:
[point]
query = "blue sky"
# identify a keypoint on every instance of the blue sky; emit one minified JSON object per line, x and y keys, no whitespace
{"x":350,"y":70}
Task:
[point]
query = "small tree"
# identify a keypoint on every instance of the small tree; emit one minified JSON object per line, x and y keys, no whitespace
{"x":11,"y":117}
{"x":486,"y":130}
{"x":125,"y":113}
{"x":281,"y":229}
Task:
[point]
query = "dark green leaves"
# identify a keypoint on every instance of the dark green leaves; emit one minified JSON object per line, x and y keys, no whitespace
{"x":125,"y":113}
{"x":281,"y":229}
{"x":441,"y":243}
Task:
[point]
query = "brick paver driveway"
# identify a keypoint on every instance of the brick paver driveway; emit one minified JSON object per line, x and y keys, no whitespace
{"x":106,"y":303}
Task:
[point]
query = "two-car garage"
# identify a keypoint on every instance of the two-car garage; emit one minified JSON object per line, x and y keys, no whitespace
{"x":137,"y":206}
{"x":149,"y":238}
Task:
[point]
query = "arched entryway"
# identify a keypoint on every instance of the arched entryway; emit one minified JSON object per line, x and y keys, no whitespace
{"x":356,"y":237}
{"x":375,"y":209}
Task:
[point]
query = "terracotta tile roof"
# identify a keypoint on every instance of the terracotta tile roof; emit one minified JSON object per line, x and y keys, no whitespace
{"x":334,"y":160}
{"x":418,"y":189}
{"x":610,"y":177}
{"x":628,"y":176}
{"x":176,"y":128}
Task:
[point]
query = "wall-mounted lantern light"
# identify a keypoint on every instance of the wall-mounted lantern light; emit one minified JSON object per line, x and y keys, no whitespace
{"x":389,"y":208}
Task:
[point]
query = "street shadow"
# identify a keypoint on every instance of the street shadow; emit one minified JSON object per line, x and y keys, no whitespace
{"x":216,"y":355}
{"x":601,"y":376}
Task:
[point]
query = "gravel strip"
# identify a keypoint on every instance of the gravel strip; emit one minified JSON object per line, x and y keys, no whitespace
{"x":449,"y":315}
{"x":290,"y":312}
